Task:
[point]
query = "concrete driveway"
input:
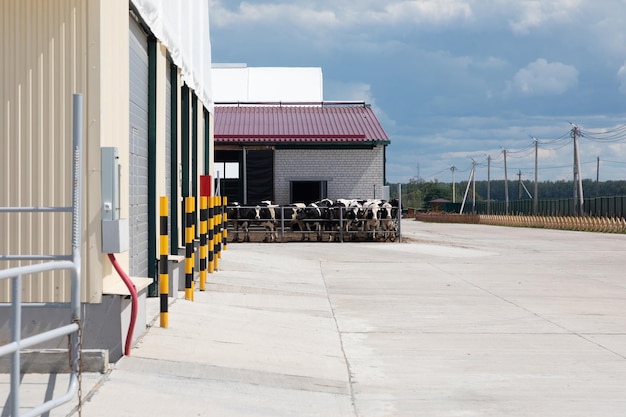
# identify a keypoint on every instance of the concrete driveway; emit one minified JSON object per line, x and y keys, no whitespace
{"x":457,"y":320}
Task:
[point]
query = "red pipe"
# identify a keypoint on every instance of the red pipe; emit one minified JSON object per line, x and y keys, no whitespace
{"x":133,"y":296}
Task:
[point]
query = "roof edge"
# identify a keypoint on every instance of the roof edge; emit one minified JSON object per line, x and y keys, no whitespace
{"x":291,"y":103}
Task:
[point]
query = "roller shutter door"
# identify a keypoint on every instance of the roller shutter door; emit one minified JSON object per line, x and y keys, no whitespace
{"x":138,"y":148}
{"x":168,"y":141}
{"x":260,"y":175}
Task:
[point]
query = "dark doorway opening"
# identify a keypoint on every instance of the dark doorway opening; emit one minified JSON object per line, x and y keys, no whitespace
{"x":228,"y":168}
{"x":307,"y":191}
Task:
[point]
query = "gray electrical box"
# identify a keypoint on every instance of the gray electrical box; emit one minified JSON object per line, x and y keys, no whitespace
{"x":110,"y":184}
{"x":114,"y":230}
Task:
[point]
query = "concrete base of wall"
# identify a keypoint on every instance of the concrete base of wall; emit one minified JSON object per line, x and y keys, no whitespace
{"x":104,"y":330}
{"x":49,"y":361}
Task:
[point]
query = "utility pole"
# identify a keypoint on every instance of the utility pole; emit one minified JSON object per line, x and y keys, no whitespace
{"x":467,"y":188}
{"x":598,"y":178}
{"x":488,"y":184}
{"x":519,"y":185}
{"x":453,"y":168}
{"x":506,"y":186}
{"x":473,"y":187}
{"x":578,"y":184}
{"x":536,"y":200}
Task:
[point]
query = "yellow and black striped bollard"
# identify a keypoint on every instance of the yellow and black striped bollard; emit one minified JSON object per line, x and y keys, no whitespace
{"x":211,"y":235}
{"x":163,"y":269}
{"x":225,"y":223}
{"x":189,"y":236}
{"x":203,"y":241}
{"x":218,"y":228}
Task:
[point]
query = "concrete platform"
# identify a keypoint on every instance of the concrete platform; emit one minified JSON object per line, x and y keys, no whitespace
{"x":458,"y":320}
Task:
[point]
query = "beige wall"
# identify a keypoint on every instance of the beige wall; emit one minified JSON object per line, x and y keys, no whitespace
{"x":50,"y":51}
{"x":43,"y":62}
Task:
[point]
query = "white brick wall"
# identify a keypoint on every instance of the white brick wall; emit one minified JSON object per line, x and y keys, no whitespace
{"x":350,"y":173}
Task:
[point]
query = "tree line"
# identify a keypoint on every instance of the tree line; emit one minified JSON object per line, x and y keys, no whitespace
{"x":417,"y":194}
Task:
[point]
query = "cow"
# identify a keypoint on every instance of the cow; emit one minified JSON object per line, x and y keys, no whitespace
{"x":327,"y":221}
{"x":240,"y":217}
{"x":310,"y":216}
{"x":388,"y":219}
{"x":316,"y":217}
{"x":337,"y":218}
{"x":289,"y":214}
{"x":371,"y":210}
{"x":352,"y":218}
{"x":265,"y":215}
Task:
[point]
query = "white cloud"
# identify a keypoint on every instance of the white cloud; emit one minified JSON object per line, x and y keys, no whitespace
{"x":545,"y":78}
{"x":617,"y":151}
{"x":349,"y":91}
{"x":536,"y":13}
{"x":270,"y":13}
{"x":341,"y":91}
{"x":490,"y":63}
{"x":340,"y":13}
{"x":621,"y":77}
{"x":429,"y":11}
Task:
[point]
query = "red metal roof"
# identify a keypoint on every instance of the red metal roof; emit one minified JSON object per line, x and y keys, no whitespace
{"x":297,"y":124}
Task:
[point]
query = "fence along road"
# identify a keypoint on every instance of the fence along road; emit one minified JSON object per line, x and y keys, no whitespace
{"x":456,"y":320}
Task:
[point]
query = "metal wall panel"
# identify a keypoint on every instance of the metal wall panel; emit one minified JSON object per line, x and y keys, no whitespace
{"x":138,"y":141}
{"x":42,"y":63}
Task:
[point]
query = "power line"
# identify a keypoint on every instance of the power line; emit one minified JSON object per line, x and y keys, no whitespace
{"x":614,"y":162}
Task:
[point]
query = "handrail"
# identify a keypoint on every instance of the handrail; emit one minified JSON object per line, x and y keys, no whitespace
{"x":64,"y":262}
{"x":17,"y":343}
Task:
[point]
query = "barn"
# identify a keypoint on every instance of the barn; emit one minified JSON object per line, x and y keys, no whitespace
{"x":298,"y":152}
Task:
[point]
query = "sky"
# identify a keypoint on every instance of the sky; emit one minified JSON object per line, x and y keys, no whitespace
{"x":457,"y":82}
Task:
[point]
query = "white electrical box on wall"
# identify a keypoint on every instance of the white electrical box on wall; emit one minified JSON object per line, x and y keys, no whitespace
{"x":115,"y":238}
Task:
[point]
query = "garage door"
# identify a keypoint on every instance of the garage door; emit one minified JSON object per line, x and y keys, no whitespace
{"x":138,"y":148}
{"x":168,"y":141}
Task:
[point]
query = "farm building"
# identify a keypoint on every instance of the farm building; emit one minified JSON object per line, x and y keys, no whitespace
{"x":277,"y":139}
{"x":139,"y":71}
{"x":299,"y":152}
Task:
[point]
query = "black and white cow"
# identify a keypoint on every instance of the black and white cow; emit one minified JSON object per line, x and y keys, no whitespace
{"x":316,"y":217}
{"x":371,"y":210}
{"x":265,"y":215}
{"x":240,"y":217}
{"x":389,"y":219}
{"x":337,"y":218}
{"x":327,"y":218}
{"x":352,"y":218}
{"x":311,"y":216}
{"x":291,"y":220}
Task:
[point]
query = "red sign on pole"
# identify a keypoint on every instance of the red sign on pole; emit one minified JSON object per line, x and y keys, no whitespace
{"x":205,"y":186}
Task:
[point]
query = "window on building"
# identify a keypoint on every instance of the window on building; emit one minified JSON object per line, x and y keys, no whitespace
{"x":226,"y":170}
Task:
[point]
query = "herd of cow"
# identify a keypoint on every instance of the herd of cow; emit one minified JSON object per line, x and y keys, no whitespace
{"x":341,"y":219}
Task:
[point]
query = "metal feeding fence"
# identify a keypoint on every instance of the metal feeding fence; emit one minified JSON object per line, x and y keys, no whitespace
{"x":289,"y":223}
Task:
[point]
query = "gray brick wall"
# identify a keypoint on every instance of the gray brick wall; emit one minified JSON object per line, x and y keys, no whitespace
{"x":350,"y":173}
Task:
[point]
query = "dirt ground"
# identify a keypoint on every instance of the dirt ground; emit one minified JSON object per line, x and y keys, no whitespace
{"x":259,"y":235}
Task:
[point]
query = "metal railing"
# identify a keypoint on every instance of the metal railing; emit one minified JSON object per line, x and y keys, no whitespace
{"x":345,"y":229}
{"x":60,"y":262}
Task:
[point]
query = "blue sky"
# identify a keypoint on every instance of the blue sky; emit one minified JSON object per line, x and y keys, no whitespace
{"x":453,"y":81}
